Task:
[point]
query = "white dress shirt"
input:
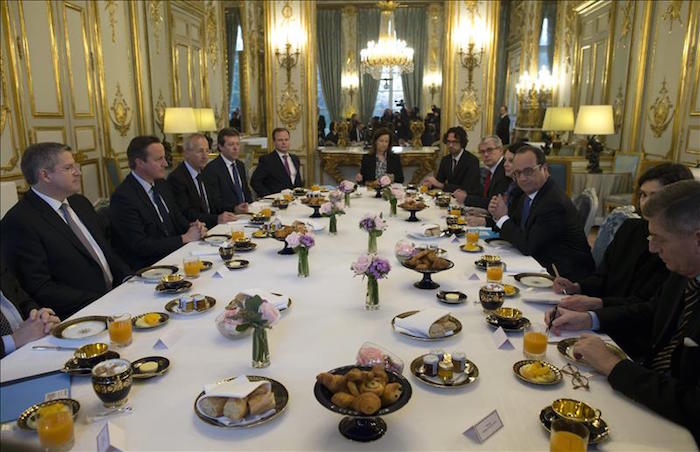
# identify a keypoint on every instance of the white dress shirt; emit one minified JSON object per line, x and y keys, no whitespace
{"x":13,"y":318}
{"x":292,"y":168}
{"x":229,"y":167}
{"x":492,"y":169}
{"x":193,"y":174}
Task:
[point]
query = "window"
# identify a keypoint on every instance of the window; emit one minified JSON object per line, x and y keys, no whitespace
{"x":390,"y":92}
{"x":235,"y":99}
{"x":322,"y":108}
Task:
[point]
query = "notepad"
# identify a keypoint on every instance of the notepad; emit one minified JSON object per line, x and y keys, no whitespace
{"x":18,"y":395}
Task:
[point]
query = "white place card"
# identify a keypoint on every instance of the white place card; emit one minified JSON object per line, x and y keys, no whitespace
{"x":485,"y":428}
{"x":168,"y":338}
{"x":111,"y":438}
{"x":223,"y":272}
{"x":474,"y":277}
{"x":500,"y":339}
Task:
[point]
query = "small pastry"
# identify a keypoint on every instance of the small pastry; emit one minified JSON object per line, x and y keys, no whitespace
{"x":367,"y":403}
{"x":436,"y":330}
{"x":265,"y":387}
{"x":342,"y":399}
{"x":380,"y":374}
{"x":261,"y":403}
{"x":391,"y":393}
{"x":375,"y":386}
{"x":355,"y":374}
{"x":333,"y":383}
{"x":213,"y":406}
{"x":236,"y":409}
{"x":352,"y":388}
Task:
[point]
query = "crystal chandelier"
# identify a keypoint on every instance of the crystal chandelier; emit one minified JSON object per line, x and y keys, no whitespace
{"x":388,"y":52}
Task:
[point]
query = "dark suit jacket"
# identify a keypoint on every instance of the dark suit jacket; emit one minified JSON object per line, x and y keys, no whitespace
{"x":466,"y":175}
{"x":552,"y":233}
{"x":368,"y":167}
{"x":221,"y":195}
{"x":271,"y":177}
{"x":629,"y":272}
{"x":138,"y":234}
{"x":187,"y":196}
{"x":675,"y":396}
{"x":52,"y":266}
{"x":498,"y":185}
{"x":503,"y":129}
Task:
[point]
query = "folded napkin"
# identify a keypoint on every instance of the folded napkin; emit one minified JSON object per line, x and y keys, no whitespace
{"x":239,"y":387}
{"x":419,"y":230}
{"x":311,"y":224}
{"x":278,"y":300}
{"x":541,"y":296}
{"x":419,"y":323}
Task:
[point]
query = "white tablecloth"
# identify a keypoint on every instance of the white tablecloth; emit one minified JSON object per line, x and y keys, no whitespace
{"x":323,"y":329}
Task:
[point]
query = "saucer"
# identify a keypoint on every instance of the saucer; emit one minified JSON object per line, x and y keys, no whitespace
{"x":566,"y":348}
{"x":162,"y":363}
{"x":598,"y":429}
{"x":555,"y":370}
{"x":470,"y":374}
{"x":442,"y":296}
{"x":27,"y":420}
{"x":174,"y":306}
{"x":182,"y":286}
{"x":237,"y":264}
{"x":206,"y":265}
{"x":250,"y":247}
{"x":72,"y":367}
{"x":522,"y":324}
{"x":475,"y":249}
{"x":139,"y":324}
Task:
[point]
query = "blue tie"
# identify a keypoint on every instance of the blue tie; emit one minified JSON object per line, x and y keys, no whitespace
{"x":526,"y":211}
{"x":237,"y":184}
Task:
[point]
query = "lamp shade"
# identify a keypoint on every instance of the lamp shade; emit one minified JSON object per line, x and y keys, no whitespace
{"x":595,"y":120}
{"x":558,"y":119}
{"x":205,"y":119}
{"x":179,"y":120}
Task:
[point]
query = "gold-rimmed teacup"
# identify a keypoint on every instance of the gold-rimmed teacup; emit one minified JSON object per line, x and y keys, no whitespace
{"x":91,"y":354}
{"x":172,"y":280}
{"x":508,"y":316}
{"x":575,"y":410}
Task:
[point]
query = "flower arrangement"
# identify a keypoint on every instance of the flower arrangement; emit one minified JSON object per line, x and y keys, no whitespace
{"x":331,"y":209}
{"x":252,"y":312}
{"x":347,"y":187}
{"x":374,"y":268}
{"x":301,"y":243}
{"x":382,"y":182}
{"x":393,"y":193}
{"x":374,"y":225}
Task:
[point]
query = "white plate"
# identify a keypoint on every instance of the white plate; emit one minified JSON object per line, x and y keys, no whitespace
{"x":536,"y":281}
{"x":156,"y":274}
{"x":84,"y":329}
{"x":216,"y":240}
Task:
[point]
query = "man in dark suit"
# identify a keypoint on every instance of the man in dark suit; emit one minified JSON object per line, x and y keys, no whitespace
{"x":226,"y":174}
{"x":460,"y":168}
{"x":543,"y":222}
{"x":146,"y":222}
{"x":279,"y":169}
{"x":192,"y":191}
{"x":667,"y":327}
{"x":52,"y":238}
{"x":495,"y":182}
{"x":503,"y":126}
{"x":21,"y":319}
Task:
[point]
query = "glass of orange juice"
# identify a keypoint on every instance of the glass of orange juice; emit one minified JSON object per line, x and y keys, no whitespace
{"x":192,"y":266}
{"x":494,"y":272}
{"x":535,"y":341}
{"x":568,"y":436}
{"x":266,"y":212}
{"x":472,"y":236}
{"x":423,"y":189}
{"x":237,"y":234}
{"x":55,"y":426}
{"x":455,"y":210}
{"x":119,"y":326}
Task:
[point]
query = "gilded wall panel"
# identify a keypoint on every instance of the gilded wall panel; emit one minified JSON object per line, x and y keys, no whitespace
{"x":78,"y":61}
{"x":432,"y":74}
{"x":688,"y":150}
{"x":12,"y":139}
{"x":157,"y":24}
{"x":91,"y":179}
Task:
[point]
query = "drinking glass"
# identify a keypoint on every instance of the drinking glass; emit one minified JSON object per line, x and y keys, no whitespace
{"x":455,"y":210}
{"x":568,"y":436}
{"x":472,"y":237}
{"x":494,"y":272}
{"x":120,"y":330}
{"x":55,"y":427}
{"x":535,"y":341}
{"x":237,"y":234}
{"x":192,"y":266}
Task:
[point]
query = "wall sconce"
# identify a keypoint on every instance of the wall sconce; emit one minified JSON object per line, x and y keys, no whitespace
{"x":470,"y":47}
{"x":433,"y":80}
{"x":349,"y":83}
{"x":287,"y":51}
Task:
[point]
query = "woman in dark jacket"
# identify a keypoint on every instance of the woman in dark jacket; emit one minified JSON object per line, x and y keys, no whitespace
{"x":380,"y":161}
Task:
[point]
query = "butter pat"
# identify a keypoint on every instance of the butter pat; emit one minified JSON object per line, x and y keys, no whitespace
{"x":452,"y":296}
{"x":148,"y":367}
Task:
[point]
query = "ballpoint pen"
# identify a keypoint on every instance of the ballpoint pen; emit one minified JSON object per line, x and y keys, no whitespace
{"x":552,"y":317}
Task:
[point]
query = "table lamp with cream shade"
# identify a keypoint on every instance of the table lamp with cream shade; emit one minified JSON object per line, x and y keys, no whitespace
{"x":594,"y":120}
{"x":557,"y":119}
{"x":206,"y":122}
{"x":178,"y":121}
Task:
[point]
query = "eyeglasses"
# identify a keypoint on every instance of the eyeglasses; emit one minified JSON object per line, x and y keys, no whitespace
{"x":452,"y":142}
{"x":487,"y":150}
{"x":527,"y":172}
{"x":577,"y":378}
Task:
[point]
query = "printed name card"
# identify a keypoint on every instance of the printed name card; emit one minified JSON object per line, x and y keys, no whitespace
{"x":474,"y":277}
{"x":500,"y":339}
{"x":223,"y":272}
{"x":485,"y":428}
{"x":111,"y":438}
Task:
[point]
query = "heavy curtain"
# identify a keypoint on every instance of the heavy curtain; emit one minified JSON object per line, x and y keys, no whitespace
{"x":233,"y":20}
{"x":330,"y":60}
{"x":410,"y":26}
{"x":367,"y":30}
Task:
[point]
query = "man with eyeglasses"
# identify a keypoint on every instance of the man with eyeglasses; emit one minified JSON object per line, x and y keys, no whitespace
{"x":52,"y":238}
{"x":495,"y":182}
{"x":543,"y":222}
{"x":459,"y":170}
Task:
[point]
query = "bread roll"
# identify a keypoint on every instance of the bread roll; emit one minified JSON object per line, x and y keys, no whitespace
{"x":236,"y":409}
{"x":367,"y":403}
{"x":213,"y":406}
{"x":374,"y":386}
{"x":378,"y":373}
{"x":334,"y":383}
{"x":342,"y":399}
{"x":391,"y":393}
{"x":262,"y":389}
{"x":261,"y":403}
{"x":355,"y":375}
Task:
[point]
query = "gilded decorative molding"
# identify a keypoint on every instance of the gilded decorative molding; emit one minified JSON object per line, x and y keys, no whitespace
{"x":121,"y":113}
{"x":570,"y":35}
{"x":627,"y":17}
{"x":156,"y":13}
{"x":111,"y":8}
{"x":472,"y":6}
{"x":289,"y":109}
{"x":417,"y":128}
{"x":618,"y":109}
{"x":660,"y":112}
{"x":672,"y":14}
{"x":468,"y":109}
{"x":4,"y":109}
{"x":160,"y":109}
{"x":211,"y":34}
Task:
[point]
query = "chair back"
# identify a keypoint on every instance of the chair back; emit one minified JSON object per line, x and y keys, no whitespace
{"x":114,"y":174}
{"x":608,"y":229}
{"x":8,"y":196}
{"x":626,"y":163}
{"x":587,"y":206}
{"x":560,"y":172}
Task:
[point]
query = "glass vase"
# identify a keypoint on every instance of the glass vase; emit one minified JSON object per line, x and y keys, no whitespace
{"x":372,"y":300}
{"x":261,"y":350}
{"x":372,"y":243}
{"x":392,"y":203}
{"x":333,"y":227}
{"x":347,"y":199}
{"x":303,"y":267}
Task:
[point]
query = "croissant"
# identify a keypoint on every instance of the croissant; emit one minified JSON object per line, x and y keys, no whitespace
{"x":391,"y":393}
{"x":334,"y":383}
{"x":378,"y":373}
{"x":352,"y":388}
{"x":367,"y":403}
{"x":342,"y":399}
{"x":374,"y":386}
{"x":355,"y":374}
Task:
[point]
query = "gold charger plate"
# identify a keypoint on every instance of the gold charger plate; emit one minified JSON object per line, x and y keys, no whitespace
{"x":475,"y":249}
{"x":511,"y":290}
{"x":140,"y":324}
{"x":566,"y":347}
{"x":281,"y":401}
{"x":470,"y":374}
{"x":555,"y":370}
{"x":27,"y":420}
{"x":80,"y":328}
{"x":174,"y":307}
{"x":403,"y":315}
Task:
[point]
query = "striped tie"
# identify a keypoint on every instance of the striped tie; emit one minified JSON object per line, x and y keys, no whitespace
{"x":662,"y":361}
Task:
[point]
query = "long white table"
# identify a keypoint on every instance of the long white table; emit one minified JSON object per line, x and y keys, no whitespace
{"x":324,"y":329}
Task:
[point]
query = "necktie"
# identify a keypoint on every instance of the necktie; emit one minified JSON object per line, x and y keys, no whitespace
{"x":202,"y":194}
{"x":526,"y":211}
{"x":487,"y":182}
{"x":106,"y":273}
{"x":454,"y":164}
{"x":5,"y":328}
{"x":164,"y":215}
{"x":662,"y":361}
{"x":286,"y":166}
{"x":237,"y":189}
